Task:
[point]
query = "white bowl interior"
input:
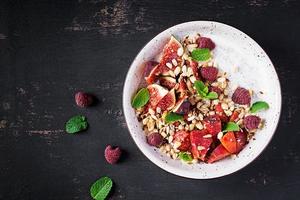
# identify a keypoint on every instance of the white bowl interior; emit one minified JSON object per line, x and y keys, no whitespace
{"x":255,"y":71}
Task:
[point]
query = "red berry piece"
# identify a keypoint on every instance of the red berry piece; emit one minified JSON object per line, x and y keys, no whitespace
{"x":155,"y":139}
{"x":241,"y":96}
{"x":209,"y":73}
{"x":251,"y":122}
{"x":215,"y":89}
{"x":83,"y":99}
{"x":204,"y":42}
{"x":112,"y":155}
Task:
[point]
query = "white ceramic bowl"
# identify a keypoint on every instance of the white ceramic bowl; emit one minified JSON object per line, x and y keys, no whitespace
{"x":255,"y":71}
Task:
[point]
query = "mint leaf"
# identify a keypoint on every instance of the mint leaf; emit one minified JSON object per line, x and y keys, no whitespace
{"x":186,"y":157}
{"x":100,"y":189}
{"x":173,"y":117}
{"x":76,"y":124}
{"x":231,"y":126}
{"x":212,"y":95}
{"x":259,"y":105}
{"x":201,"y":54}
{"x":202,"y":90}
{"x":141,"y":98}
{"x":199,"y":85}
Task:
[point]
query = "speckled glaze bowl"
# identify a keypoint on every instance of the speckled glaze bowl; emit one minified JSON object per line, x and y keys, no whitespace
{"x":255,"y":71}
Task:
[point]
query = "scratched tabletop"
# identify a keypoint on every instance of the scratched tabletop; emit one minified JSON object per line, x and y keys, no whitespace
{"x":51,"y":49}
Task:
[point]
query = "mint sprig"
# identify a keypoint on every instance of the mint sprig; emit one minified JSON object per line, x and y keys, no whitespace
{"x":186,"y":157}
{"x":258,"y":106}
{"x":76,"y":124}
{"x":173,"y":117}
{"x":231,"y":126}
{"x":201,"y":54}
{"x":202,"y":90}
{"x":141,"y":98}
{"x":100,"y":189}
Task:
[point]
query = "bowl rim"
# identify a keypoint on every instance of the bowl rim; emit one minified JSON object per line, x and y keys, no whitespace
{"x":171,"y":169}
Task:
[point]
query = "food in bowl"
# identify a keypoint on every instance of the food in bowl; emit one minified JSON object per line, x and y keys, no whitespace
{"x":189,"y":109}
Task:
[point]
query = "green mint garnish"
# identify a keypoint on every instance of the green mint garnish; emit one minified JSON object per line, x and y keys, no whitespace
{"x":201,"y":54}
{"x":231,"y":126}
{"x":141,"y":98}
{"x":100,"y":189}
{"x":186,"y":157}
{"x":173,"y":117}
{"x":259,"y":105}
{"x":202,"y":90}
{"x":76,"y":124}
{"x":212,"y":95}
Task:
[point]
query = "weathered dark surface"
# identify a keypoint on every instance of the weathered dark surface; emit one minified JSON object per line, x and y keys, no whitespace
{"x":49,"y":50}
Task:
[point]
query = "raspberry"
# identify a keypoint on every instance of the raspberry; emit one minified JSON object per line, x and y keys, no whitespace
{"x":209,"y":73}
{"x":155,"y":139}
{"x":83,"y":99}
{"x":112,"y":155}
{"x":251,"y":122}
{"x":215,"y":89}
{"x":204,"y":42}
{"x":241,"y":96}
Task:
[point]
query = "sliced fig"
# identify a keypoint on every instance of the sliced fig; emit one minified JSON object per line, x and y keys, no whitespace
{"x":196,"y":71}
{"x":153,"y":75}
{"x":170,"y":52}
{"x":157,"y":92}
{"x":184,"y":138}
{"x":200,"y":143}
{"x":148,"y":67}
{"x":168,"y":82}
{"x":168,"y":101}
{"x":182,"y":88}
{"x":182,"y":106}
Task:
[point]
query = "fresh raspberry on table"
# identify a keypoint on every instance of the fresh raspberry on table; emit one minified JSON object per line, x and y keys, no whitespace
{"x":83,"y":99}
{"x":112,"y":155}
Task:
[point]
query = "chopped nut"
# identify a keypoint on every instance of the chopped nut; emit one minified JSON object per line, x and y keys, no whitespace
{"x":220,"y":135}
{"x":169,"y":65}
{"x":158,"y":110}
{"x":151,"y":111}
{"x":191,"y":127}
{"x":180,"y":51}
{"x":207,"y":136}
{"x":174,"y":62}
{"x":177,"y":70}
{"x":199,"y":125}
{"x":200,"y":148}
{"x":176,"y":144}
{"x":192,"y":79}
{"x":224,"y":106}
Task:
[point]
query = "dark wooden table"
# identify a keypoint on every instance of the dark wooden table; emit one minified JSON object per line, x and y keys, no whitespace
{"x":51,"y":49}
